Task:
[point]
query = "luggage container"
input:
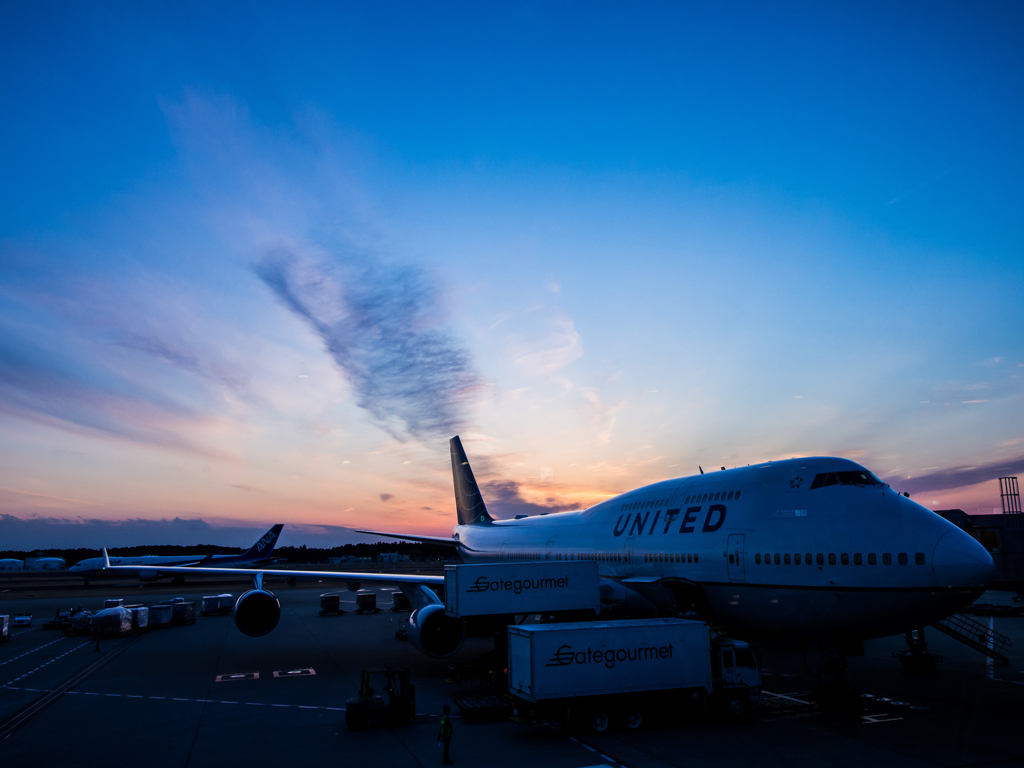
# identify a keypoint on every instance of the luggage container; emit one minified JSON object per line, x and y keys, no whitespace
{"x":330,"y":602}
{"x":160,"y":615}
{"x":5,"y":628}
{"x":140,"y":617}
{"x":217,"y":605}
{"x":592,"y":674}
{"x":512,"y":588}
{"x":366,"y":601}
{"x":400,"y":602}
{"x":112,"y":621}
{"x":113,"y":602}
{"x":182,"y":612}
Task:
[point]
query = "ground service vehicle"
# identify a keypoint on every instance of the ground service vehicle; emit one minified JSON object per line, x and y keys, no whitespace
{"x":592,"y":674}
{"x":23,"y":620}
{"x":371,"y":710}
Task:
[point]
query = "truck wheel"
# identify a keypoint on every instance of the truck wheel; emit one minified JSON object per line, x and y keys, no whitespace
{"x":634,"y":719}
{"x":599,"y":721}
{"x":737,"y":707}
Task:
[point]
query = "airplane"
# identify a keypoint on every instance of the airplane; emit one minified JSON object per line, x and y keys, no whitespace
{"x":152,"y":567}
{"x":807,"y":550}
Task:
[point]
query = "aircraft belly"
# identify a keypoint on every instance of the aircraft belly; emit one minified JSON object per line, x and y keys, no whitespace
{"x":794,"y":614}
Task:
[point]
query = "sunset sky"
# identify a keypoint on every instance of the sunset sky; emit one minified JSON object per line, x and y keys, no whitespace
{"x":259,"y":262}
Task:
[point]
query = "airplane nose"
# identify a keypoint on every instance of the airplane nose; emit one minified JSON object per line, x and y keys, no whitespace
{"x":960,"y":561}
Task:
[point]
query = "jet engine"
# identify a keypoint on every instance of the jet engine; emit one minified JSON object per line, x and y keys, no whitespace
{"x":257,"y":612}
{"x":434,"y":633}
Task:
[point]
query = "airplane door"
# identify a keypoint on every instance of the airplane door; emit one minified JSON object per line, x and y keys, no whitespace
{"x":627,"y":557}
{"x":735,"y":554}
{"x":550,"y":550}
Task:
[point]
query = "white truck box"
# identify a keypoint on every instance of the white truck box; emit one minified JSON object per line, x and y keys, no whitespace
{"x":508,"y":588}
{"x":5,"y":628}
{"x":553,"y":661}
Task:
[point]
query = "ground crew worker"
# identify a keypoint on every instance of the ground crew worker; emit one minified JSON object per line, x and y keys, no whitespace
{"x":445,"y":733}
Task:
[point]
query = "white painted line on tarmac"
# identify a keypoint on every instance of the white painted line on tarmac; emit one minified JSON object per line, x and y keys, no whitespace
{"x":33,"y":651}
{"x":194,"y":701}
{"x":87,"y":642}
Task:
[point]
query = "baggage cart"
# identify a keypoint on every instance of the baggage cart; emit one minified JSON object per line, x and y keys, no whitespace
{"x":366,"y":601}
{"x":330,"y":602}
{"x":160,"y":616}
{"x":182,"y":612}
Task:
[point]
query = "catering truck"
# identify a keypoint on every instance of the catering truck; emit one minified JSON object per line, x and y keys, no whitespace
{"x":592,"y":675}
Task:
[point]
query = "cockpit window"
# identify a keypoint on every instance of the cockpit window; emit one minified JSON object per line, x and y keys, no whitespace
{"x":856,"y":477}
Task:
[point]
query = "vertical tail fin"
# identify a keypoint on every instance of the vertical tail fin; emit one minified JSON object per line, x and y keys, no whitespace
{"x":263,"y":548}
{"x":468,"y":502}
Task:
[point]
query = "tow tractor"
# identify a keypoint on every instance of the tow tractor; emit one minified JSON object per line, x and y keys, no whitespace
{"x":371,"y":711}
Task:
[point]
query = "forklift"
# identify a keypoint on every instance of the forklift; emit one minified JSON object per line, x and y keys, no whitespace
{"x":370,"y":711}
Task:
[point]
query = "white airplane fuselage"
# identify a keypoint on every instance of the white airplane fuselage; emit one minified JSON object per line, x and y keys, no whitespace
{"x":774,"y":557}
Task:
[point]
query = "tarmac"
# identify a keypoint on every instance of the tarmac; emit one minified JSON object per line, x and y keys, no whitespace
{"x":207,"y":695}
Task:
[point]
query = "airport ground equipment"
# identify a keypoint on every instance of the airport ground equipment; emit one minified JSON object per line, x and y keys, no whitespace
{"x":400,"y":602}
{"x":591,"y":674}
{"x":182,"y":612}
{"x":366,"y":601}
{"x":976,"y":635}
{"x":113,"y":602}
{"x":5,"y":629}
{"x":63,"y":619}
{"x":371,"y":710}
{"x":917,"y":659}
{"x":402,"y":633}
{"x":109,"y":622}
{"x":160,"y":616}
{"x":140,"y":617}
{"x":217,"y":605}
{"x":22,"y":620}
{"x":330,"y":602}
{"x":547,"y":586}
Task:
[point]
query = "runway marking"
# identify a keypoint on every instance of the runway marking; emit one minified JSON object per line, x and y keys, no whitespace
{"x":238,"y":676}
{"x":879,"y":718}
{"x":33,"y":650}
{"x":787,"y":698}
{"x":87,"y":642}
{"x":611,"y":760}
{"x":302,"y":672}
{"x":197,"y":701}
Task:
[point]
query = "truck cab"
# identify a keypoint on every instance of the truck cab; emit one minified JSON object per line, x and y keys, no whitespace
{"x":737,"y":674}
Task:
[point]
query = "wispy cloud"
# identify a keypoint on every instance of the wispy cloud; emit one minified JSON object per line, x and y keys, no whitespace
{"x":379,"y":324}
{"x":505,"y":499}
{"x":921,"y":186}
{"x":88,"y":401}
{"x":957,"y":477}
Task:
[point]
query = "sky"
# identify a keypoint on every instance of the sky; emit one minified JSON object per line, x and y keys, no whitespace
{"x":259,"y":262}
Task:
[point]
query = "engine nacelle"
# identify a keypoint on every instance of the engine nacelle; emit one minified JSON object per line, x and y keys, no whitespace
{"x":257,"y":612}
{"x":434,"y":633}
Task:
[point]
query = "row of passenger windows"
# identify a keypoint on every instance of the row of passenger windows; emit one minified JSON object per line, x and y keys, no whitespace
{"x":671,"y":557}
{"x":644,"y":505}
{"x":698,"y":498}
{"x":597,"y":557}
{"x":844,"y":559}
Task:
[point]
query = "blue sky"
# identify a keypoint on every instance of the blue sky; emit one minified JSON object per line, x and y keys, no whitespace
{"x":256,"y":263}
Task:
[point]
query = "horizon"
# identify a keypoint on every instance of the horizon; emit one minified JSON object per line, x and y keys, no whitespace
{"x":258,"y":265}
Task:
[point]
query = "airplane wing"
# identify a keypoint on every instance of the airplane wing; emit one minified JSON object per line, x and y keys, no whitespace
{"x":444,"y":542}
{"x":380,"y":578}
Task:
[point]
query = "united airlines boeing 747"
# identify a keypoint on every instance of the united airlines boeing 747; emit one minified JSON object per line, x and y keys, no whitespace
{"x":810,"y":550}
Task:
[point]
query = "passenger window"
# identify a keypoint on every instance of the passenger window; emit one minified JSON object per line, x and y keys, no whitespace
{"x":919,"y":558}
{"x":796,"y":558}
{"x":737,"y":494}
{"x":844,"y":559}
{"x":727,"y":659}
{"x":886,"y":559}
{"x":767,"y":559}
{"x":903,"y":558}
{"x":757,"y":559}
{"x":786,"y":559}
{"x":808,"y":559}
{"x":776,"y":559}
{"x":695,"y":559}
{"x":831,"y":558}
{"x":745,"y":659}
{"x":821,"y":559}
{"x":730,"y":495}
{"x":716,"y":497}
{"x":872,"y":559}
{"x":857,"y":559}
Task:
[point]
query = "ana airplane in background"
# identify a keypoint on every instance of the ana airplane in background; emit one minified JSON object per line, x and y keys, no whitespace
{"x":94,"y":567}
{"x":810,"y":550}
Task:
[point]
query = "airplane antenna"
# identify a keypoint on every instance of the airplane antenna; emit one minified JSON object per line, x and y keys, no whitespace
{"x":701,"y":470}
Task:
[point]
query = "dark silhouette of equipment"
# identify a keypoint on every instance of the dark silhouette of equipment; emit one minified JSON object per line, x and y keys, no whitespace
{"x":396,"y":707}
